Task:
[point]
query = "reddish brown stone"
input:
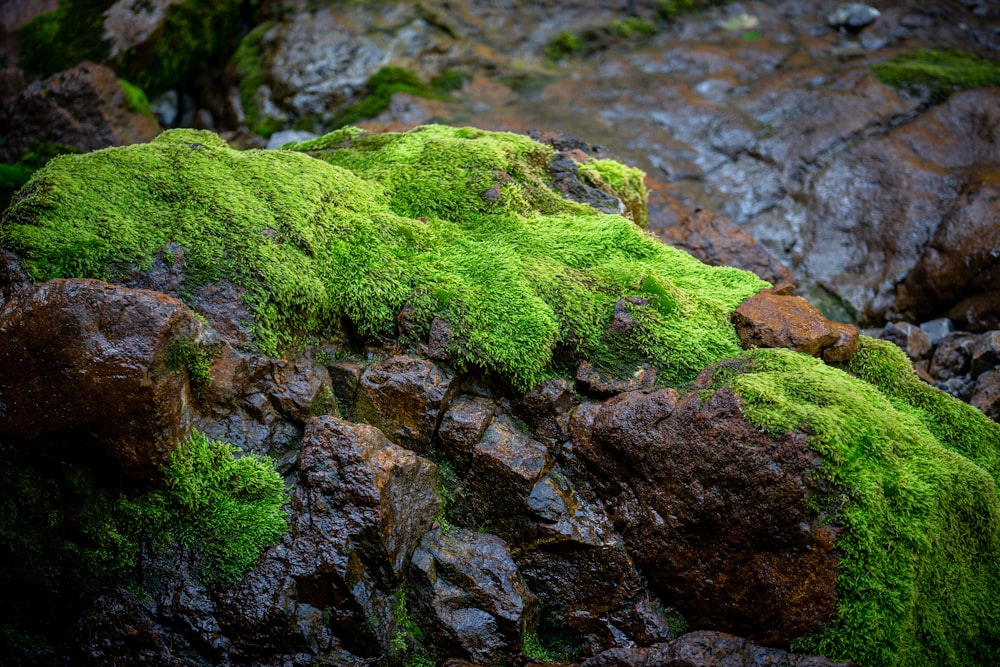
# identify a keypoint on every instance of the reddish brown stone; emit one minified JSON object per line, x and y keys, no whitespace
{"x":775,"y":320}
{"x":714,"y":511}
{"x":83,"y":362}
{"x":986,"y":395}
{"x":596,"y":382}
{"x":715,"y":239}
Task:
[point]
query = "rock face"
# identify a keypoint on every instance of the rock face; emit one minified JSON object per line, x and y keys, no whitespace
{"x":566,"y":455}
{"x":67,"y":341}
{"x":707,"y":505}
{"x":83,"y":108}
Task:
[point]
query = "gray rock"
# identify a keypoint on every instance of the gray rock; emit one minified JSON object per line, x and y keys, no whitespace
{"x":282,"y":137}
{"x":985,"y":353}
{"x":853,"y":15}
{"x":468,"y":594}
{"x":914,"y":340}
{"x":937,"y":329}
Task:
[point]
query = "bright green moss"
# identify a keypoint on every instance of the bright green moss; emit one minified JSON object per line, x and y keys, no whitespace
{"x":135,"y":99}
{"x":942,"y":72}
{"x":453,"y":223}
{"x":227,"y":508}
{"x":564,"y":44}
{"x":391,"y":80}
{"x":628,"y":183}
{"x":914,"y":478}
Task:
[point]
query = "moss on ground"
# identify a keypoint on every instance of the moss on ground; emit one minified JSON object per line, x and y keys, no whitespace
{"x":940,"y":71}
{"x":391,"y":80}
{"x":914,"y":477}
{"x":455,"y":223}
{"x":250,"y":61}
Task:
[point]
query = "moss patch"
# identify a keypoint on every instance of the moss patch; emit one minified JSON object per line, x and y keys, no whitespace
{"x":941,"y":72}
{"x":135,"y":98}
{"x":618,"y":179}
{"x":249,"y":61}
{"x":391,"y":80}
{"x":454,"y":223}
{"x":914,"y":475}
{"x":61,"y":38}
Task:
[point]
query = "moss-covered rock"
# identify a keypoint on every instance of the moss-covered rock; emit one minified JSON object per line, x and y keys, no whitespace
{"x":940,"y":71}
{"x":457,"y":224}
{"x":912,"y":477}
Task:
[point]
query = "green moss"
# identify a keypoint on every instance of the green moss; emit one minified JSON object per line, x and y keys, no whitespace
{"x":196,"y":360}
{"x":63,"y":37}
{"x":913,"y":474}
{"x":564,"y":44}
{"x":135,"y":99}
{"x":192,"y":33}
{"x":670,"y":9}
{"x":628,"y":183}
{"x":941,"y":72}
{"x":249,"y":61}
{"x":391,"y":80}
{"x":633,"y":26}
{"x":227,"y":508}
{"x":14,"y":176}
{"x":362,"y":225}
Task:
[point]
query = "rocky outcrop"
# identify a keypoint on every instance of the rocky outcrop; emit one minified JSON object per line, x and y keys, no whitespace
{"x":513,"y":428}
{"x":708,"y":505}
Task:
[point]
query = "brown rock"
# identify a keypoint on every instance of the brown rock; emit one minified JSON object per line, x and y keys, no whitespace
{"x":715,"y":239}
{"x":986,"y":395}
{"x":953,"y":356}
{"x":706,"y":649}
{"x":593,"y":381}
{"x":713,"y":510}
{"x":775,"y":320}
{"x":84,"y":363}
{"x":405,"y":398}
{"x":912,"y":339}
{"x":346,"y":376}
{"x":462,"y":426}
{"x":958,"y":271}
{"x":83,"y":107}
{"x":985,"y":353}
{"x":546,"y":409}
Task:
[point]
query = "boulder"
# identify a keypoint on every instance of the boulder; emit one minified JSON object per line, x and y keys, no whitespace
{"x":84,"y":108}
{"x":910,"y":338}
{"x":714,"y":511}
{"x":65,"y":342}
{"x":706,"y":649}
{"x":406,"y":398}
{"x":715,"y":239}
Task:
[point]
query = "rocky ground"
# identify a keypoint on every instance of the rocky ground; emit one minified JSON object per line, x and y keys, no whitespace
{"x":441,"y":513}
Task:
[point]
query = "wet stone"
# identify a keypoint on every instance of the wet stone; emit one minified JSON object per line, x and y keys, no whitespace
{"x":985,"y":353}
{"x":953,"y":356}
{"x":911,"y":338}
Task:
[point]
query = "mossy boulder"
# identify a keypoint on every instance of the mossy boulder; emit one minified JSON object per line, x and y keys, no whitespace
{"x":454,"y":241}
{"x":388,"y":231}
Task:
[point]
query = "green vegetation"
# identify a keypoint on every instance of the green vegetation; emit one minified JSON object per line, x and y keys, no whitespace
{"x":196,"y":360}
{"x":363,"y":225}
{"x":628,"y":183}
{"x":65,"y":535}
{"x":670,"y":9}
{"x":249,"y":61}
{"x":135,"y":99}
{"x":192,"y":33}
{"x":13,"y":176}
{"x":914,"y":477}
{"x":63,"y":37}
{"x":564,"y":44}
{"x":391,"y":80}
{"x":941,"y":72}
{"x":633,"y":26}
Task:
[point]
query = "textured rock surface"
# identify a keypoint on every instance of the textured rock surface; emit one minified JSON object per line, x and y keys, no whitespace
{"x":67,"y":341}
{"x":768,"y":319}
{"x":84,"y":107}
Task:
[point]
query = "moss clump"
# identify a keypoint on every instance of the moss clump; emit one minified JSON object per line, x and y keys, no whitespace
{"x":391,"y":80}
{"x":618,"y":179}
{"x":914,"y":478}
{"x":941,"y":72}
{"x":227,"y":508}
{"x":186,"y":355}
{"x":454,"y":223}
{"x":564,"y":44}
{"x":135,"y":98}
{"x":63,"y":37}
